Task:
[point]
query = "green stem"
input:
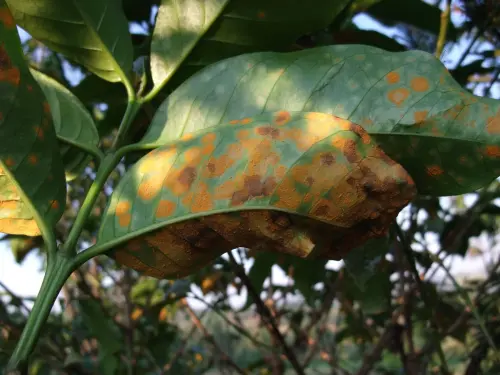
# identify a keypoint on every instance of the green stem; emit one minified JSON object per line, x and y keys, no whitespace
{"x":133,"y":107}
{"x":105,"y":169}
{"x":443,"y":29}
{"x":58,"y":270}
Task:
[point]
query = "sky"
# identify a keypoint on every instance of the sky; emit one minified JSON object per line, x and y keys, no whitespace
{"x":25,"y":279}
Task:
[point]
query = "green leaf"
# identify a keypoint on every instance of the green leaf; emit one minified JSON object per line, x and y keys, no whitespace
{"x":277,"y":183}
{"x":416,"y":13}
{"x":32,"y":187}
{"x":101,"y":326}
{"x":446,"y":138}
{"x":179,"y":26}
{"x":92,"y":33}
{"x":363,"y":263}
{"x":307,"y":273}
{"x":200,"y":32}
{"x":74,"y":125}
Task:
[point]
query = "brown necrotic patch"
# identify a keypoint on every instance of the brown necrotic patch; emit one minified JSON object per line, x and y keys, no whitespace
{"x":268,"y":131}
{"x":254,"y":186}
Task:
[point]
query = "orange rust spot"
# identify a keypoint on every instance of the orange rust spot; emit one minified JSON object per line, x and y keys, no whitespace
{"x":434,"y":170}
{"x":202,"y":201}
{"x":29,"y":87}
{"x":246,"y":120}
{"x":360,"y":57}
{"x":493,"y":151}
{"x":187,"y":137}
{"x":165,"y":208}
{"x":398,"y":96}
{"x":420,"y":116}
{"x":150,"y":186}
{"x":11,"y":75}
{"x":54,"y":205}
{"x":234,"y":122}
{"x":33,"y":159}
{"x":462,"y":160}
{"x":282,"y":117}
{"x":39,"y":132}
{"x":124,"y":220}
{"x":261,"y":15}
{"x":192,"y":156}
{"x":493,"y":125}
{"x":392,"y":78}
{"x":288,"y":196}
{"x":46,"y":107}
{"x":243,"y":134}
{"x":6,"y":18}
{"x":362,"y":133}
{"x":216,"y":167}
{"x":122,"y":207}
{"x":419,"y":84}
{"x":9,"y":162}
{"x":208,"y":138}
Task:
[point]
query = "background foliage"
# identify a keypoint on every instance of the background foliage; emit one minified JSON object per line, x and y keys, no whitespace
{"x":327,"y":318}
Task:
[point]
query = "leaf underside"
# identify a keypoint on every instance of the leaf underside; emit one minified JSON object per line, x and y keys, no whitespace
{"x":279,"y":182}
{"x":446,"y":138}
{"x":92,"y":33}
{"x":32,"y":187}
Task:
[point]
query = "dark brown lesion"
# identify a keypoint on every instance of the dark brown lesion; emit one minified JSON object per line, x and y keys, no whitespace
{"x":269,"y":131}
{"x":253,"y":187}
{"x":187,"y":176}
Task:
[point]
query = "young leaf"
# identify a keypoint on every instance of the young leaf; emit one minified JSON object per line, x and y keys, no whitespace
{"x":32,"y":187}
{"x":200,"y":32}
{"x":278,"y":182}
{"x":446,"y":138}
{"x":74,"y":125}
{"x":92,"y":33}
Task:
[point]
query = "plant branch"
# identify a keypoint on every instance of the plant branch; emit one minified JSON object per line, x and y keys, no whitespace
{"x":58,"y":270}
{"x":265,"y":313}
{"x":443,"y":29}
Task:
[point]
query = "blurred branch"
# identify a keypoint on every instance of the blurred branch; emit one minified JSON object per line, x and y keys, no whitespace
{"x":266,"y":315}
{"x":443,"y":29}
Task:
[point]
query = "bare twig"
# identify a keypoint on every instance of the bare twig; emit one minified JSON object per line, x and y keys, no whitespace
{"x":266,"y":315}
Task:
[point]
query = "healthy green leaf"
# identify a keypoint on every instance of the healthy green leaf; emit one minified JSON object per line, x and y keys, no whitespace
{"x":278,"y":183}
{"x":92,"y":33}
{"x":179,"y":26}
{"x":32,"y":186}
{"x":101,"y":326}
{"x":74,"y":125}
{"x":446,"y":138}
{"x":363,"y":262}
{"x":200,"y":32}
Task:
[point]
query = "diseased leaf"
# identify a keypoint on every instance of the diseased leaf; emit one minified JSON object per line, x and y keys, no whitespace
{"x":32,"y":187}
{"x":446,"y":138}
{"x":74,"y":125}
{"x":200,"y":32}
{"x":277,"y":183}
{"x":92,"y":33}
